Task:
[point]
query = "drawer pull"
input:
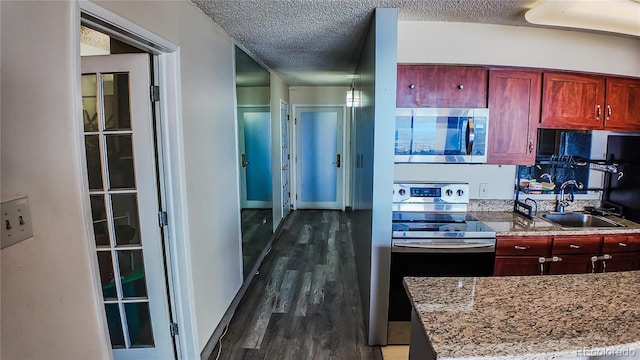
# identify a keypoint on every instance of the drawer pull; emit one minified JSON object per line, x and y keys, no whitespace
{"x":622,"y":244}
{"x":575,"y":246}
{"x":518,"y":247}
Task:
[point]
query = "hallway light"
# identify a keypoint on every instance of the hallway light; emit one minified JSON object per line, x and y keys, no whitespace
{"x":353,"y":98}
{"x":618,"y":16}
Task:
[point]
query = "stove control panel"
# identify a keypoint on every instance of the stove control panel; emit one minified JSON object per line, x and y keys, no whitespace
{"x":452,"y":193}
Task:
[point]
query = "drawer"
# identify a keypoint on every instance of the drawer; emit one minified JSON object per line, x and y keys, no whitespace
{"x":523,"y":245}
{"x":621,"y":243}
{"x":579,"y":244}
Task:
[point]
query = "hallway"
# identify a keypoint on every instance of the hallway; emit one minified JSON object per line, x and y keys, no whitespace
{"x":305,"y":301}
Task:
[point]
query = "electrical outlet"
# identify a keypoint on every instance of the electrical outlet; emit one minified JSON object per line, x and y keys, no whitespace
{"x":484,"y":190}
{"x":16,"y":221}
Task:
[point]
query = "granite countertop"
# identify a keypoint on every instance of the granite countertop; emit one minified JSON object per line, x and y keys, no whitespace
{"x":511,"y":223}
{"x":529,"y":317}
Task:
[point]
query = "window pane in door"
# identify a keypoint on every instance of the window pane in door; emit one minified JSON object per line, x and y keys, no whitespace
{"x":319,"y":150}
{"x":132,"y":274}
{"x":117,"y":112}
{"x":94,"y":166}
{"x":120,"y":155}
{"x":100,"y":225}
{"x":125,"y":219}
{"x":139,"y":323}
{"x":89,"y":108}
{"x":105,"y":265}
{"x":115,"y":326}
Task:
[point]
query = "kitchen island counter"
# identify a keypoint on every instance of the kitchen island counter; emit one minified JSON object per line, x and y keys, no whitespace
{"x":529,"y":317}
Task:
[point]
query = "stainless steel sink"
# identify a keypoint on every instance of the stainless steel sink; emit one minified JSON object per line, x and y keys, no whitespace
{"x":579,"y":220}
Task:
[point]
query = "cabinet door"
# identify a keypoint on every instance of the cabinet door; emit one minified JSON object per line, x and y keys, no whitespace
{"x":621,"y":243}
{"x":622,"y":110}
{"x":441,"y":86}
{"x":518,"y":265}
{"x":408,"y":86}
{"x":523,"y":245}
{"x":572,"y":264}
{"x":576,"y":244}
{"x":622,"y":262}
{"x":514,"y":106}
{"x":572,"y":101}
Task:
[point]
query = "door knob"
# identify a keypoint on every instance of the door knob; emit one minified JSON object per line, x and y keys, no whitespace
{"x":337,"y":162}
{"x":244,"y":160}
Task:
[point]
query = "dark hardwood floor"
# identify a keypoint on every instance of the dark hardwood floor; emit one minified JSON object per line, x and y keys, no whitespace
{"x":257,"y":227}
{"x":304,"y":303}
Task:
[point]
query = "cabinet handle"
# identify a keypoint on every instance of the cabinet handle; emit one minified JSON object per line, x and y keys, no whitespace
{"x":598,"y":112}
{"x":530,"y":146}
{"x":460,"y":86}
{"x":621,"y":244}
{"x":608,"y":111}
{"x":575,"y":246}
{"x":412,"y":86}
{"x":518,"y":247}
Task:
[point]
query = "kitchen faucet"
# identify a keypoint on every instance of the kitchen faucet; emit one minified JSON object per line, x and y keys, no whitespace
{"x":562,"y":202}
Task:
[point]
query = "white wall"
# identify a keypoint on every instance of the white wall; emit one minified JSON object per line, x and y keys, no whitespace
{"x":210,"y":151}
{"x":46,"y":281}
{"x":478,"y":44}
{"x":50,"y":307}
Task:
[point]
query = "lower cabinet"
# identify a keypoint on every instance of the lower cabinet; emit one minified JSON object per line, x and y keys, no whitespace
{"x":566,"y":254}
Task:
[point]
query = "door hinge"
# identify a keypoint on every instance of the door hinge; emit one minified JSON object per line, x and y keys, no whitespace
{"x":288,"y":118}
{"x":296,"y":196}
{"x":295,"y":121}
{"x":162,"y":218}
{"x":173,"y":328}
{"x":155,"y":93}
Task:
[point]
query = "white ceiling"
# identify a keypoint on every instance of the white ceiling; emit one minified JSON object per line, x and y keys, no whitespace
{"x":317,"y":42}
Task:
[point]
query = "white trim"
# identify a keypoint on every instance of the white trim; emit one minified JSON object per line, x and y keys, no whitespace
{"x":284,"y":106}
{"x":174,"y":177}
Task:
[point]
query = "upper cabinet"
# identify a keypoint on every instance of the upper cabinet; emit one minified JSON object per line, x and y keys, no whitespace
{"x":514,"y":103}
{"x":590,"y":102}
{"x":441,"y":86}
{"x":622,"y":110}
{"x":572,"y":101}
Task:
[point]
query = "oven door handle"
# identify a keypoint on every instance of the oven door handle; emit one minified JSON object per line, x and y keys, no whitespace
{"x":471,"y":247}
{"x":471,"y":135}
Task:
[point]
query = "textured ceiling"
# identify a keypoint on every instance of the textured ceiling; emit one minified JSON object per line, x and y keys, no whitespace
{"x":317,"y":42}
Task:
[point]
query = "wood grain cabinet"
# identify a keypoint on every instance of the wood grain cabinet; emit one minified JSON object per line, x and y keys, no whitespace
{"x":441,"y":86}
{"x":514,"y":106}
{"x":590,"y":102}
{"x":520,"y":255}
{"x":623,"y":252}
{"x":576,"y":253}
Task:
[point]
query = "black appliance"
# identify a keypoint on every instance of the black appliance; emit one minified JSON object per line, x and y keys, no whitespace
{"x":433,"y":235}
{"x":623,"y":192}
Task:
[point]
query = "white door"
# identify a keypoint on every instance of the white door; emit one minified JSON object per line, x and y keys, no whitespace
{"x":319,"y":170}
{"x":284,"y":139}
{"x":254,"y":140}
{"x":121,"y":168}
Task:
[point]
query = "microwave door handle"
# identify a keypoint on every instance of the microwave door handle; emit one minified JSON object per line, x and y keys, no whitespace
{"x":471,"y":136}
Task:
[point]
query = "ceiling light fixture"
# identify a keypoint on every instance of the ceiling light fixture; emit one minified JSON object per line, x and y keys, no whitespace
{"x":618,"y":16}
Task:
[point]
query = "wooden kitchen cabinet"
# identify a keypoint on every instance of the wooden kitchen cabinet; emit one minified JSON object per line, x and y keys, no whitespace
{"x":575,"y":252}
{"x":514,"y":107}
{"x":572,"y":101}
{"x":622,"y":108}
{"x":590,"y":102}
{"x":519,"y":255}
{"x":624,"y":251}
{"x":441,"y":86}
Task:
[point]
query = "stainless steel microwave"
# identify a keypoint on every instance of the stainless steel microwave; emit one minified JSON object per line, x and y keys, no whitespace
{"x":439,"y":135}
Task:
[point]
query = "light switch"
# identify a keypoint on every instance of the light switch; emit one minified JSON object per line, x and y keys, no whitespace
{"x":16,"y":221}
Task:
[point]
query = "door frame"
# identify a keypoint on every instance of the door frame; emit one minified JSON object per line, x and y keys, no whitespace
{"x":293,"y":150}
{"x":284,"y":120}
{"x":169,"y":144}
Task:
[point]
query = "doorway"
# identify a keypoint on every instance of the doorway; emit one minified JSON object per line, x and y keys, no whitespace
{"x":319,"y":135}
{"x":122,"y":177}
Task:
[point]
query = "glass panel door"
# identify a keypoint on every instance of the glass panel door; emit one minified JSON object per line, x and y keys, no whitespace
{"x":124,"y":204}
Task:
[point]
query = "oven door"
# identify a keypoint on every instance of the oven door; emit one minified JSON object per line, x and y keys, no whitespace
{"x":420,"y":259}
